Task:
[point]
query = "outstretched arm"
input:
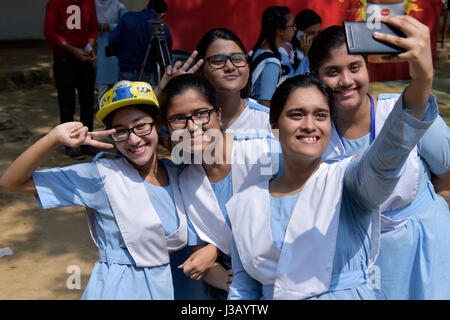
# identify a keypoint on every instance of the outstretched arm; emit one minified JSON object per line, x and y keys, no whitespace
{"x":18,"y":176}
{"x":372,"y":178}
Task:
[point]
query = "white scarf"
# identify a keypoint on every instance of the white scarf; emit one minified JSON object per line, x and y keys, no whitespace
{"x":251,"y":163}
{"x":139,"y":224}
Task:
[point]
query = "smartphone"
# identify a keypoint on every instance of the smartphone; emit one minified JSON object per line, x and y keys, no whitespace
{"x":360,"y":40}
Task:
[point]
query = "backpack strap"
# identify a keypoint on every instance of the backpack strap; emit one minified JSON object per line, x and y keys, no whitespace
{"x":257,"y":65}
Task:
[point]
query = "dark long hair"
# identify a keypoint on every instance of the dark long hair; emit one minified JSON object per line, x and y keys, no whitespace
{"x":224,"y":34}
{"x":328,"y":39}
{"x":273,"y":18}
{"x":283,"y":92}
{"x":213,"y":35}
{"x":303,"y":20}
{"x":182,"y":83}
{"x":159,"y":6}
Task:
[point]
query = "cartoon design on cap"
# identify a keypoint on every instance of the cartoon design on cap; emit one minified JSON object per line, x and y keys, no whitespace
{"x":143,"y":88}
{"x":122,"y":84}
{"x":122,"y":93}
{"x":125,"y":93}
{"x":103,"y":101}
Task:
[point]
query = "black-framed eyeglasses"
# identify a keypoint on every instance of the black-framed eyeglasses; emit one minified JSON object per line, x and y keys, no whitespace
{"x":140,"y":130}
{"x":218,"y":61}
{"x":199,"y":118}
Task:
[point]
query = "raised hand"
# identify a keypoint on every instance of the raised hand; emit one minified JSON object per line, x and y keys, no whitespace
{"x":417,"y":44}
{"x":305,"y":44}
{"x":73,"y":134}
{"x":18,"y":176}
{"x":418,"y":56}
{"x":178,"y":69}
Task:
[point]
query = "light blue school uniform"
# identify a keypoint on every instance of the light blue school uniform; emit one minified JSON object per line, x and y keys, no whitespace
{"x":223,"y":191}
{"x":115,"y":275}
{"x":349,"y":278}
{"x":354,"y":245}
{"x":414,"y":259}
{"x":266,"y":83}
{"x":205,"y":201}
{"x":107,"y":67}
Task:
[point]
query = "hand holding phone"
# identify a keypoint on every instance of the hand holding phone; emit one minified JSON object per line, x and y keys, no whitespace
{"x":417,"y":52}
{"x":416,"y":45}
{"x":360,"y":40}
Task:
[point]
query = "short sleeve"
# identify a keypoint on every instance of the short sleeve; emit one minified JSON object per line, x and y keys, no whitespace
{"x":77,"y":185}
{"x":269,"y":80}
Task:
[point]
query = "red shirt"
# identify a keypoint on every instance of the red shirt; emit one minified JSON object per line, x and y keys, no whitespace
{"x":70,"y":21}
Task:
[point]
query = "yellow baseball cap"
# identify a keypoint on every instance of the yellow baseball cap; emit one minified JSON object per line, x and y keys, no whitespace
{"x":125,"y":93}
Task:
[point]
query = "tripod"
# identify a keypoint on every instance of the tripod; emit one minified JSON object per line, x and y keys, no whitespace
{"x":157,"y":39}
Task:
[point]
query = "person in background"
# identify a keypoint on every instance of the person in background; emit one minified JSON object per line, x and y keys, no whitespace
{"x":295,"y":53}
{"x":71,"y":28}
{"x":109,"y":13}
{"x":160,"y":7}
{"x":131,"y":37}
{"x":267,"y":71}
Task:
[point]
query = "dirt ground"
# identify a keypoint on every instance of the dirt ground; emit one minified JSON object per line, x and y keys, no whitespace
{"x":48,"y":245}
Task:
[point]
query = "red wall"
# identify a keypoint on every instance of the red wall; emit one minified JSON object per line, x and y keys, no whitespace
{"x":190,"y":19}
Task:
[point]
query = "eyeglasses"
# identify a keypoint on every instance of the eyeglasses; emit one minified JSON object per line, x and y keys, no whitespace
{"x":293,"y":26}
{"x":140,"y":130}
{"x":218,"y":61}
{"x":200,"y":118}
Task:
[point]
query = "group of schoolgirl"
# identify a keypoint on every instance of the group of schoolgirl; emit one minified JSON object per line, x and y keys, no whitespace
{"x":281,"y":50}
{"x":353,"y":187}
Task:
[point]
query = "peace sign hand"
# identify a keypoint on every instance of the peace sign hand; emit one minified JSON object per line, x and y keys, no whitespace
{"x":178,"y":68}
{"x":74,"y":134}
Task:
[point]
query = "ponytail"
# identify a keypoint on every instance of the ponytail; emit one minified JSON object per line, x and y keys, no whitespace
{"x":273,"y":18}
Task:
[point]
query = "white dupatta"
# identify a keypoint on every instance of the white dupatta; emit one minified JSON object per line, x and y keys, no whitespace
{"x":251,"y":163}
{"x":139,"y":224}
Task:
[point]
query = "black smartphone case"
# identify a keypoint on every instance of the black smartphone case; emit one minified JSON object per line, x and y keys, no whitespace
{"x":360,"y":38}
